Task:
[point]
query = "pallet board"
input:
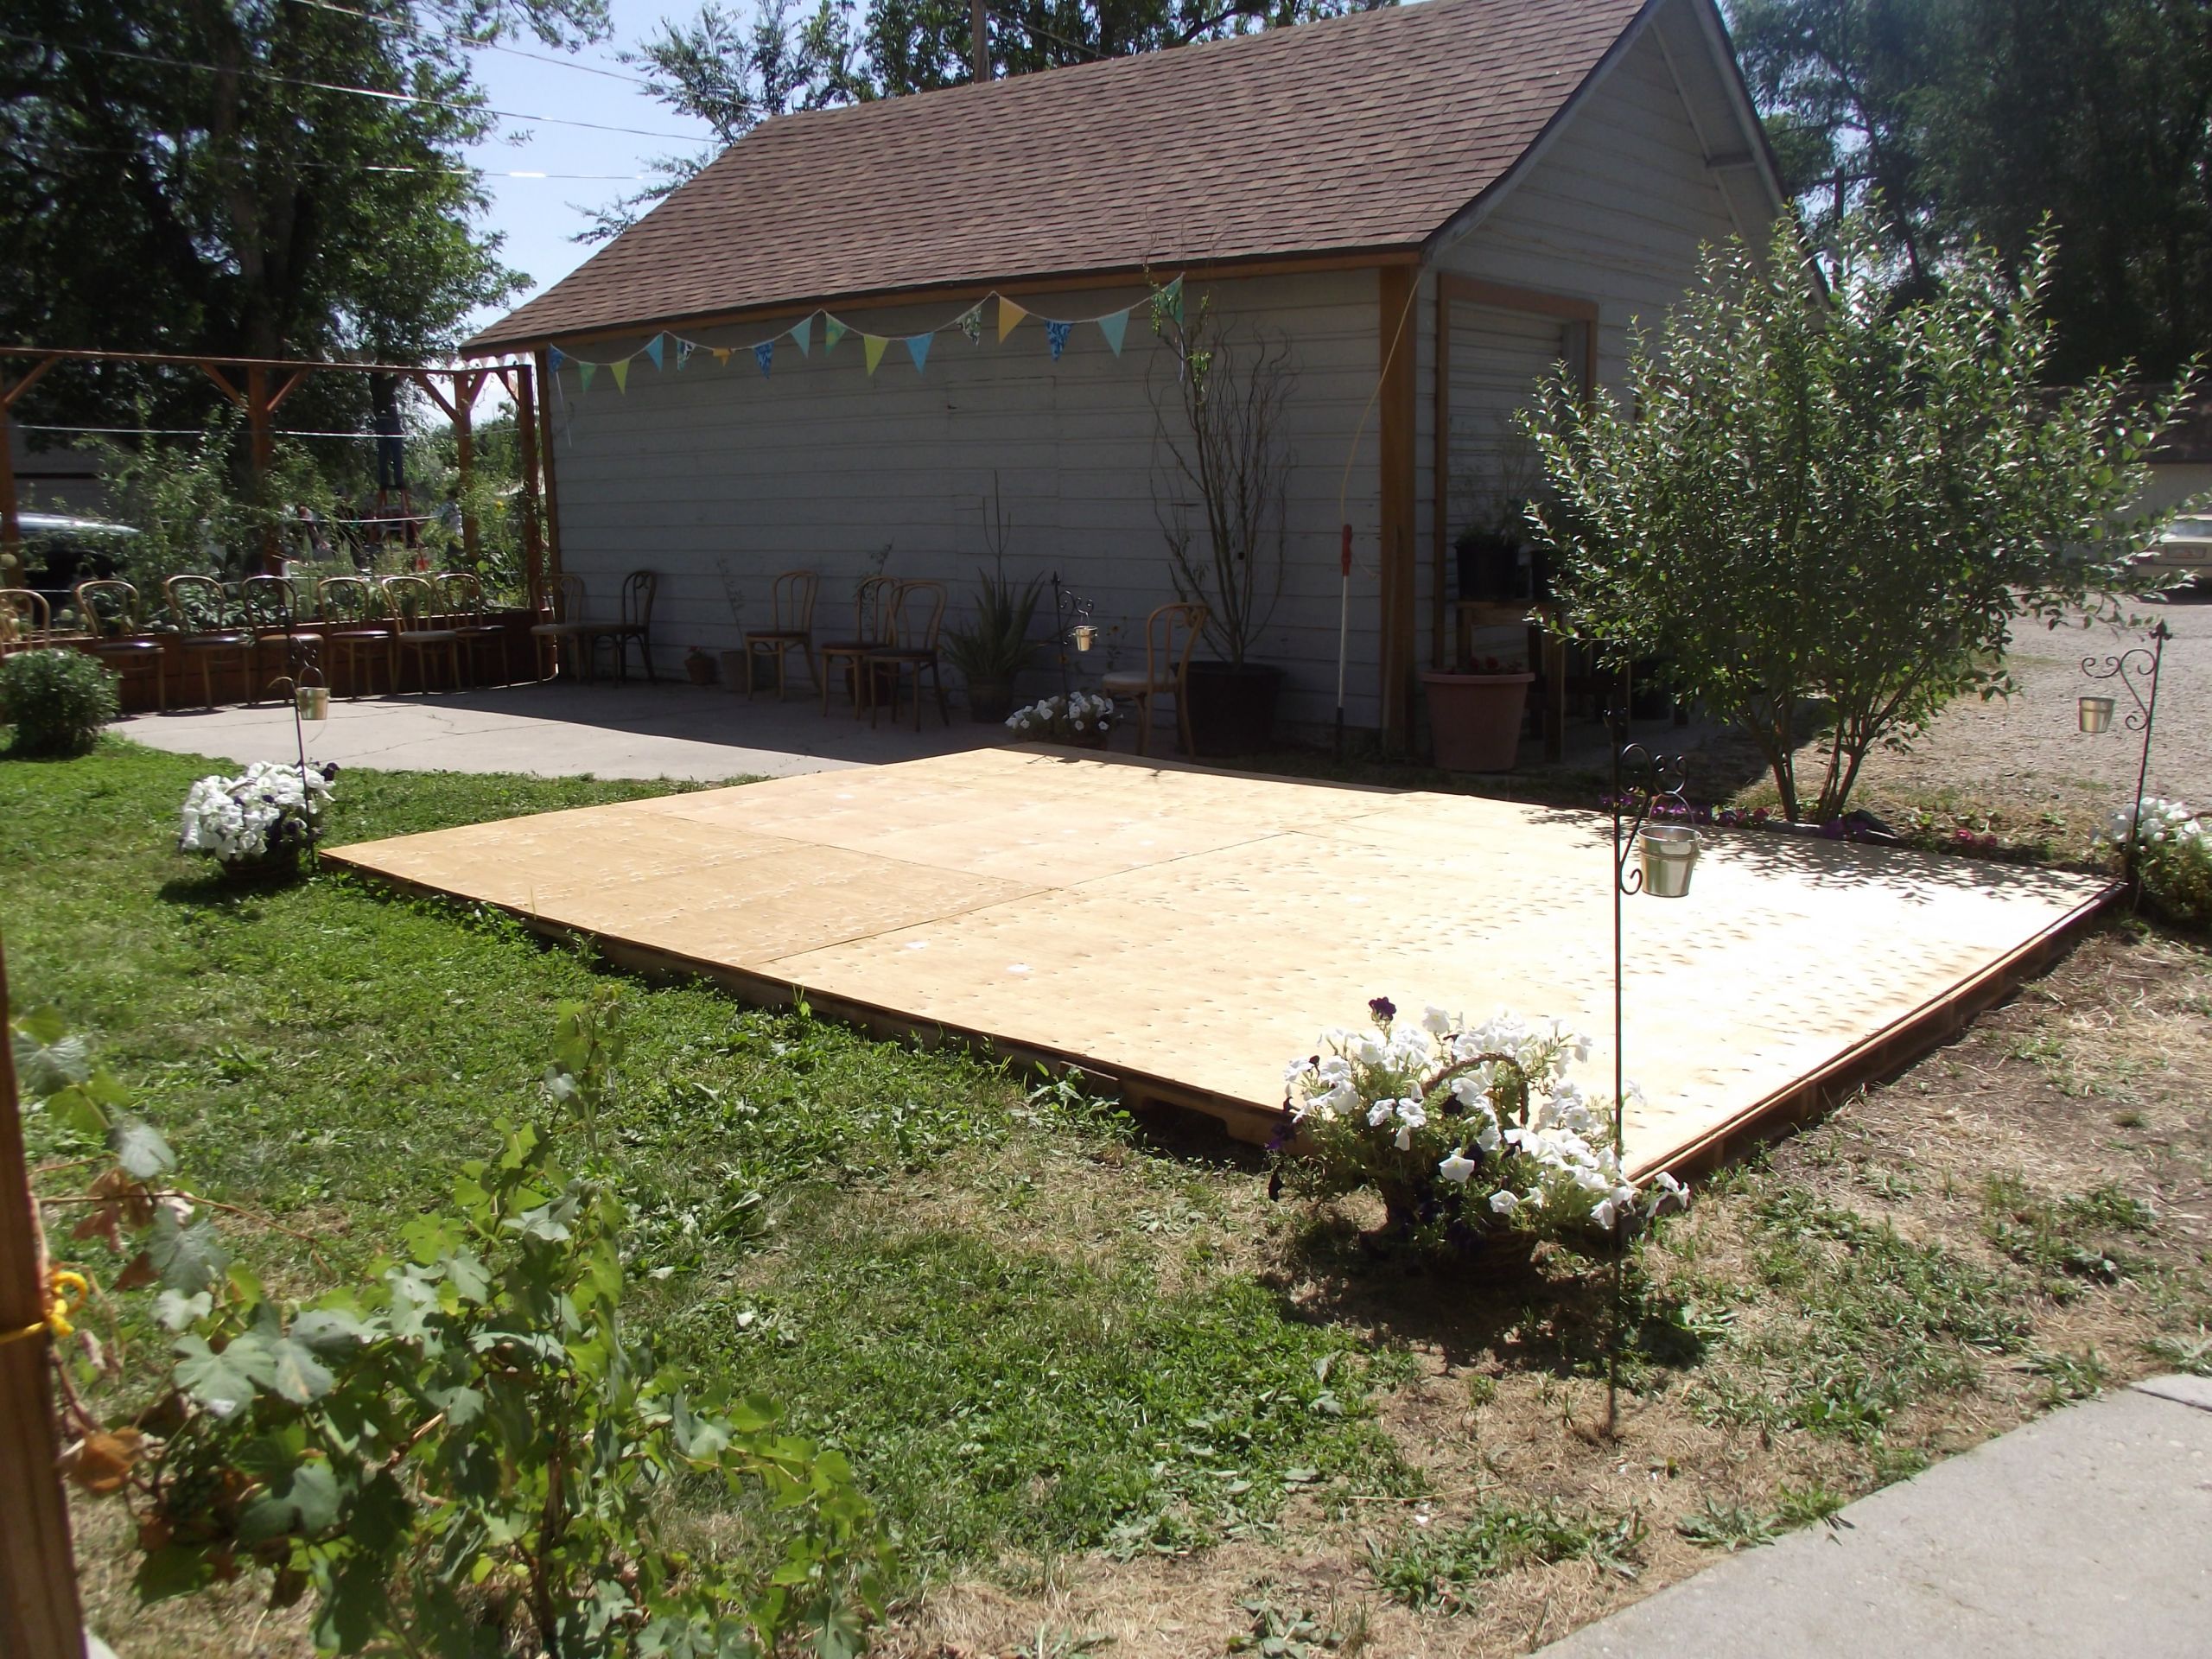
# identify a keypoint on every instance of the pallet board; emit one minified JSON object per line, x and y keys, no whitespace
{"x":1182,"y":931}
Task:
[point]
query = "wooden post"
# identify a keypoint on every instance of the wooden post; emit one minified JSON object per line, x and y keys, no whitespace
{"x":40,"y":1617}
{"x":263,"y":449}
{"x":1394,"y":291}
{"x":465,"y":387}
{"x":533,"y":544}
{"x":552,"y":391}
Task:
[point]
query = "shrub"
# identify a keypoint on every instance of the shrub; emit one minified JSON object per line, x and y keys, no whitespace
{"x":56,"y":700}
{"x":469,"y":1453}
{"x":1462,"y":1129}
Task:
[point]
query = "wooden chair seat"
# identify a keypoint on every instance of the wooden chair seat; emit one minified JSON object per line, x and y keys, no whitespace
{"x":1130,"y":682}
{"x":214,"y":641}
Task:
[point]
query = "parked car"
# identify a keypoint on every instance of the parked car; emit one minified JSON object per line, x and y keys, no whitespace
{"x":2184,"y":555}
{"x":60,"y":551}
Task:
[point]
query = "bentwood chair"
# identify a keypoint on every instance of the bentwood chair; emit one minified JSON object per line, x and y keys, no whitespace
{"x":208,"y":626}
{"x":871,"y":631}
{"x":418,"y":630}
{"x":26,"y":619}
{"x":273,"y":615}
{"x":633,"y":622}
{"x":467,"y":615}
{"x":791,"y":628}
{"x":358,"y":629}
{"x":917,"y":615}
{"x":110,"y":610}
{"x":567,"y":629}
{"x":1170,"y":633}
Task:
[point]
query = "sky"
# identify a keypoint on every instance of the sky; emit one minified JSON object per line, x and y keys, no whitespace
{"x":537,"y":216}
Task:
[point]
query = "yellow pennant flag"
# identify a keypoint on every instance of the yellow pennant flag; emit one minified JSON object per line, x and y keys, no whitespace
{"x":721,"y":353}
{"x":1010,"y":316}
{"x":621,"y":367}
{"x":873,"y":345}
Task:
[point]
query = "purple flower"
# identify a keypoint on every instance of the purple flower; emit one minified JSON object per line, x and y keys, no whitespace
{"x":1382,"y":1008}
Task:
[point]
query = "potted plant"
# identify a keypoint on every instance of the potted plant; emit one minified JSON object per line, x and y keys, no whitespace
{"x":255,"y":825}
{"x":991,"y":649}
{"x":1495,"y":553}
{"x":699,"y":667}
{"x":1080,"y":719}
{"x":1222,"y":438}
{"x":1475,"y":712}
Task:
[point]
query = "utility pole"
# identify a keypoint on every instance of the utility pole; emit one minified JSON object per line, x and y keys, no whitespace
{"x":979,"y":38}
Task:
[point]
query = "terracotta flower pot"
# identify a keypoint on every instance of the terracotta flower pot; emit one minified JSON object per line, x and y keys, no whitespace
{"x":989,"y":701}
{"x":700,"y":667}
{"x":1474,"y":720}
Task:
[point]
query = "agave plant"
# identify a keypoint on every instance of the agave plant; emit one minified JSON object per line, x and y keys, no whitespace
{"x":994,"y":646}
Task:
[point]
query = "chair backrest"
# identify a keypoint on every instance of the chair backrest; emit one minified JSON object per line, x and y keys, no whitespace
{"x":917,"y":614}
{"x":566,"y":593}
{"x":199,"y":603}
{"x":350,"y":598}
{"x":1165,"y":660}
{"x":463,"y":594}
{"x":637,"y":599}
{"x":793,"y":601}
{"x":269,"y":602}
{"x":109,"y":606}
{"x":24,"y":616}
{"x":412,"y":602}
{"x":872,"y":607}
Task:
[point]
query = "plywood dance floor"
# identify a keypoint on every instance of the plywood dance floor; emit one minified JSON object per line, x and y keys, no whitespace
{"x":1184,"y":931}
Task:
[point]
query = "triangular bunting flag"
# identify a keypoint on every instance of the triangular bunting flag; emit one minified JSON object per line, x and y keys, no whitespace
{"x":917,"y":347}
{"x":1174,"y":292}
{"x":684,"y":350}
{"x":553,"y":359}
{"x":1055,"y":337}
{"x":621,"y":367}
{"x":971,"y":324}
{"x":832,"y":332}
{"x":764,"y":354}
{"x":804,"y":333}
{"x":1010,"y":316}
{"x":872,"y":345}
{"x":721,"y":353}
{"x":584,"y":373}
{"x":654,"y":349}
{"x":1114,"y":328}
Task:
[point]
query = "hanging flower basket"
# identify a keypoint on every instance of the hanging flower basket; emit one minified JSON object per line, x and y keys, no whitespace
{"x":256,"y":825}
{"x":1081,"y":719}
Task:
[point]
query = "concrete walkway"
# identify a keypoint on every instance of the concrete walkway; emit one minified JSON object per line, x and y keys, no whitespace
{"x":2088,"y":1533}
{"x":558,"y":730}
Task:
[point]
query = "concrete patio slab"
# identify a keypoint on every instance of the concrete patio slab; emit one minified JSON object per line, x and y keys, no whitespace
{"x":2086,"y":1534}
{"x":559,"y":730}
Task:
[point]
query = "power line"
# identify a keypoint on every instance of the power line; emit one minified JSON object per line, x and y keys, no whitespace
{"x":463,"y":171}
{"x":362,"y":91}
{"x":476,"y":45}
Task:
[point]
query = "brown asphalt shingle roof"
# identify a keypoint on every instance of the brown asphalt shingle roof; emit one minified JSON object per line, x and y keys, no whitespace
{"x":1361,"y":133}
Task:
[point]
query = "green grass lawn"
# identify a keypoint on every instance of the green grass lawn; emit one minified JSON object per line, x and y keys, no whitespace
{"x":1090,"y":1374}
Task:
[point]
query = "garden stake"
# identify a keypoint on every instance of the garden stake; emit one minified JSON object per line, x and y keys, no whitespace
{"x":2143,"y":664}
{"x":1655,"y":779}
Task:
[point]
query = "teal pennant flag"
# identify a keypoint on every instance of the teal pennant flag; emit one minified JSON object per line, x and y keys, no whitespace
{"x":654,"y":348}
{"x":584,"y":373}
{"x":1114,"y":328}
{"x":804,"y":333}
{"x":917,"y":347}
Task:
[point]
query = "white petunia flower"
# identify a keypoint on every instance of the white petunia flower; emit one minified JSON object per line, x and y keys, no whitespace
{"x":1458,"y":1166}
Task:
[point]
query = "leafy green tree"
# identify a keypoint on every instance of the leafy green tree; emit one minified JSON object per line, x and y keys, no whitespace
{"x":1846,"y":505}
{"x":1958,"y":121}
{"x":194,"y":175}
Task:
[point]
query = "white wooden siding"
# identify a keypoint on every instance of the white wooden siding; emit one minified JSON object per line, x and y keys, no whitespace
{"x":822,"y":467}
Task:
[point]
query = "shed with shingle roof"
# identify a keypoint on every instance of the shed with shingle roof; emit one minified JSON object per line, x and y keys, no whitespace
{"x":1426,"y":204}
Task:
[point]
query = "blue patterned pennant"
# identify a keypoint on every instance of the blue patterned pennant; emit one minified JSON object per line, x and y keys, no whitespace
{"x":684,"y":350}
{"x":1055,"y":337}
{"x":971,"y":323}
{"x":553,"y":359}
{"x":764,"y":354}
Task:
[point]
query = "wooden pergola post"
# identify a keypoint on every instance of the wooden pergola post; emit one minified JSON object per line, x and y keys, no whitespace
{"x":545,"y":462}
{"x":263,"y":452}
{"x":533,"y":541}
{"x":40,"y":1616}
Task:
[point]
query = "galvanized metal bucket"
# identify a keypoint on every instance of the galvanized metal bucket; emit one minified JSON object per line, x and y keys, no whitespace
{"x":2096,"y":715}
{"x":313,"y":702}
{"x":1668,"y":852}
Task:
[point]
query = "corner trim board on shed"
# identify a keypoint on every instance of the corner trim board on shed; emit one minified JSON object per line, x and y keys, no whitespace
{"x":1397,"y":294}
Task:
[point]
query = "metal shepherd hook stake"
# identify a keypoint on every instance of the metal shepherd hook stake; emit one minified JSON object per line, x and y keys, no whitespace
{"x":2095,"y":715}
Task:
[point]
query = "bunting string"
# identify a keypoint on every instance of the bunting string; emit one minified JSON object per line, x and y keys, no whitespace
{"x":1113,"y":327}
